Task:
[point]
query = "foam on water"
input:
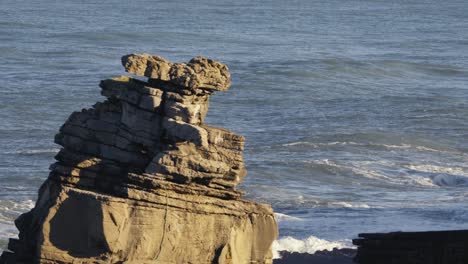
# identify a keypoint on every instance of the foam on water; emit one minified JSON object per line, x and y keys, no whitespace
{"x":10,"y":210}
{"x":309,"y":245}
{"x":400,"y":180}
{"x":443,"y":176}
{"x":402,"y":174}
{"x":32,"y":151}
{"x":349,"y":205}
{"x":459,"y":171}
{"x":375,"y":171}
{"x":14,"y":207}
{"x":284,"y":217}
{"x":6,"y":231}
{"x":402,"y":146}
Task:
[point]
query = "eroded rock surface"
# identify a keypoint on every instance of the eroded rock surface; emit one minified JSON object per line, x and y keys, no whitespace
{"x":198,"y":73}
{"x":142,"y":179}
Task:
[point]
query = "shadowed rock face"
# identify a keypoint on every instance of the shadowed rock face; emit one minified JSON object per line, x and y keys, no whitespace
{"x":142,"y":179}
{"x":432,"y":247}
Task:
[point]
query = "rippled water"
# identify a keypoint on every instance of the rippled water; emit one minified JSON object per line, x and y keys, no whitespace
{"x":355,"y":112}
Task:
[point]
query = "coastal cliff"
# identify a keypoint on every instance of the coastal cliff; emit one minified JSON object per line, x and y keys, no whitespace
{"x":142,"y":179}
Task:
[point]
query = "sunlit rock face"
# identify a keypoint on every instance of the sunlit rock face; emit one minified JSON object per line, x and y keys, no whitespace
{"x":142,"y":179}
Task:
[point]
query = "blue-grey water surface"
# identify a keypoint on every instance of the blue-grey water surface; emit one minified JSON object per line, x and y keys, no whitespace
{"x":355,"y":112}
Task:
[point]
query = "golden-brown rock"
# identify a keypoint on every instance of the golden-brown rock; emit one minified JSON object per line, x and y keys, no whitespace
{"x":142,"y":179}
{"x":199,"y":72}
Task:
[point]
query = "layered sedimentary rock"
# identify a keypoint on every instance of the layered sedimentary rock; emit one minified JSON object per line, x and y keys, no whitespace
{"x":142,"y":179}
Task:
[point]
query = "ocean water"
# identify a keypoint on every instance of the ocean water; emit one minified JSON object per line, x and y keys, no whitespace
{"x":355,"y":112}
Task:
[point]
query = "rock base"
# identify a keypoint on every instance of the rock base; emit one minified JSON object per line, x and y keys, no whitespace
{"x":435,"y":247}
{"x":336,"y":256}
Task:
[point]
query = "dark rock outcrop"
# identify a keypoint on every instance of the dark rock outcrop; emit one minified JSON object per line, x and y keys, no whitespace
{"x":336,"y":256}
{"x":432,"y":247}
{"x":142,"y":179}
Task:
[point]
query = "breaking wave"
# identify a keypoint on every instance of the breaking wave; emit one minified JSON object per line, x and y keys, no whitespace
{"x":386,"y":172}
{"x":309,"y":245}
{"x":443,"y":176}
{"x":9,"y":210}
{"x":403,"y":146}
{"x":284,"y":217}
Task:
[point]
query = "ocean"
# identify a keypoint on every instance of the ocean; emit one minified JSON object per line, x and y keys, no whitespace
{"x":355,"y":112}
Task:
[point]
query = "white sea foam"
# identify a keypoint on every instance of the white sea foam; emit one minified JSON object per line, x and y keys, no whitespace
{"x":309,"y":245}
{"x":11,"y":209}
{"x":407,"y":146}
{"x":422,"y":181}
{"x":300,"y":143}
{"x":315,"y":145}
{"x":440,"y":169}
{"x":349,"y":205}
{"x":376,"y":170}
{"x":33,"y":151}
{"x":323,"y":162}
{"x":394,"y":179}
{"x":362,"y":169}
{"x":7,"y":205}
{"x":7,"y":231}
{"x":284,"y":217}
{"x":423,"y":148}
{"x":443,"y":176}
{"x":365,"y":144}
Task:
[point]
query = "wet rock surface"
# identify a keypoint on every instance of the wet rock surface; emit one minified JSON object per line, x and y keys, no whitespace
{"x":142,"y":179}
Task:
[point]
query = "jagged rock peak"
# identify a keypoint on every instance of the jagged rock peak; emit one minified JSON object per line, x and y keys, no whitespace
{"x":198,"y":73}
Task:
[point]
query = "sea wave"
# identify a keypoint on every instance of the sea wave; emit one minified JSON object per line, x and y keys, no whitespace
{"x":379,"y":172}
{"x":284,"y":217}
{"x":355,"y":68}
{"x":6,"y":231}
{"x":423,"y":175}
{"x":361,"y":169}
{"x":402,"y":146}
{"x":443,"y":176}
{"x":32,"y":151}
{"x":11,"y":209}
{"x":309,"y":245}
{"x":349,"y":205}
{"x":440,"y":169}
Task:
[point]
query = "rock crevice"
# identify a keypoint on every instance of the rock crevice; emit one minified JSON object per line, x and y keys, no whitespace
{"x":142,"y":179}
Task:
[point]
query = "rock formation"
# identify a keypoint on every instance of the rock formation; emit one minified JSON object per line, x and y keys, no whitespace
{"x":431,"y":247}
{"x":141,"y":179}
{"x":335,"y":256}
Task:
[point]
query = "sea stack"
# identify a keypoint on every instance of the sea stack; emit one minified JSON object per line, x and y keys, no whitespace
{"x":142,"y":179}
